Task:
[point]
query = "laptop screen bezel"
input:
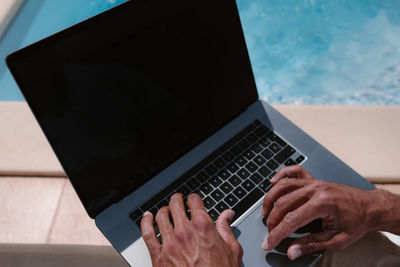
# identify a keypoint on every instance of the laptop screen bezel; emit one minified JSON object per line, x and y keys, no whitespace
{"x":13,"y":59}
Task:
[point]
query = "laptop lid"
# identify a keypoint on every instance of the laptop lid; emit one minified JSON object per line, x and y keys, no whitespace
{"x":126,"y":93}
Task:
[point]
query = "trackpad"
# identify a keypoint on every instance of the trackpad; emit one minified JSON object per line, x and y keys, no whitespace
{"x":251,"y":233}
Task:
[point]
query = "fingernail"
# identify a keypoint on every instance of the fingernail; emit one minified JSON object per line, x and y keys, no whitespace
{"x":273,"y":179}
{"x":146,"y":213}
{"x":295,"y":252}
{"x":263,"y":213}
{"x":230,"y":215}
{"x":265,"y":244}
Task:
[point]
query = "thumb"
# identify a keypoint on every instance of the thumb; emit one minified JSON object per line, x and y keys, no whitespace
{"x":224,"y":229}
{"x":314,"y":243}
{"x":223,"y":225}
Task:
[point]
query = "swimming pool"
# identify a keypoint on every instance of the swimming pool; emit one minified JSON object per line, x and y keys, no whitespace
{"x":337,"y":52}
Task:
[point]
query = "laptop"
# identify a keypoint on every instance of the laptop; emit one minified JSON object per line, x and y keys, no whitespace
{"x":154,"y":97}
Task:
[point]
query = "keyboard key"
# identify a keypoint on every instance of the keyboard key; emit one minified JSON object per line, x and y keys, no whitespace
{"x":138,"y":222}
{"x":284,"y":154}
{"x":239,"y":192}
{"x":184,"y":190}
{"x":273,"y":137}
{"x":248,"y":185}
{"x":262,"y":130}
{"x":290,"y":162}
{"x":224,"y":174}
{"x":272,"y":164}
{"x":215,"y":181}
{"x":241,"y":161}
{"x":265,"y":185}
{"x":233,"y":167}
{"x":206,"y":188}
{"x":217,"y":195}
{"x":256,"y":178}
{"x":257,"y":148}
{"x":220,"y":163}
{"x":257,"y":122}
{"x":252,"y":138}
{"x":211,"y":169}
{"x":221,"y":206}
{"x":248,"y":154}
{"x":213,"y":214}
{"x":193,"y":184}
{"x":243,"y":173}
{"x":264,"y":171}
{"x":162,"y":204}
{"x":275,"y":147}
{"x":264,"y":141}
{"x":202,"y":176}
{"x":267,"y":153}
{"x":244,"y":144}
{"x":200,"y":193}
{"x":235,"y":180}
{"x":228,"y":156}
{"x":236,"y":150}
{"x":231,"y":200}
{"x":259,"y":160}
{"x":251,"y":167}
{"x":208,"y":202}
{"x":226,"y":188}
{"x":136,"y":214}
{"x":154,"y":211}
{"x":300,"y":159}
{"x":247,"y":202}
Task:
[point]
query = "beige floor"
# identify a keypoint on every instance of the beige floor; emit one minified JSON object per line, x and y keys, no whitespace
{"x":39,"y":205}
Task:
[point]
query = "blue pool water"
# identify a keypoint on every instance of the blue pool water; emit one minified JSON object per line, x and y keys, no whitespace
{"x":302,"y":51}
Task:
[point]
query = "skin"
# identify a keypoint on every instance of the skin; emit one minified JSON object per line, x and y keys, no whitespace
{"x":194,"y":242}
{"x":347,"y":213}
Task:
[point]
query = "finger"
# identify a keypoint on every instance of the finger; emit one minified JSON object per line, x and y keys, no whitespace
{"x":149,"y":235}
{"x":286,"y":203}
{"x":164,"y":224}
{"x":314,"y":243}
{"x":177,"y":209}
{"x":295,"y":171}
{"x":290,"y":223}
{"x":223,"y":225}
{"x":278,"y":190}
{"x":196,"y":206}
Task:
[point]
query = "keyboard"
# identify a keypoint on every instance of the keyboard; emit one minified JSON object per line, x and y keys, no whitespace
{"x":235,"y":176}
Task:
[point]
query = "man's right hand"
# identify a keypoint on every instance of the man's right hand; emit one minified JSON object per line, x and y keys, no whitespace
{"x":347,"y":213}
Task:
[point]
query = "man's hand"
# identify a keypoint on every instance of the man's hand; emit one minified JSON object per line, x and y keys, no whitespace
{"x":194,"y":242}
{"x":347,"y":213}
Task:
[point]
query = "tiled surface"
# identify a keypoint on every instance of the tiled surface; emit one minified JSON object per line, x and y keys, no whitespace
{"x":366,"y":138}
{"x":72,"y":225}
{"x":27,"y":208}
{"x":24,"y":148}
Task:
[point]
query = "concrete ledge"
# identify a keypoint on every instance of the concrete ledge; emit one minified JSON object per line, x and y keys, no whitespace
{"x":366,"y":138}
{"x":22,"y":255}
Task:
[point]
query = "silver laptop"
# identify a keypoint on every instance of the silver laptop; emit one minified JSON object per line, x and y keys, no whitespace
{"x":155,"y":97}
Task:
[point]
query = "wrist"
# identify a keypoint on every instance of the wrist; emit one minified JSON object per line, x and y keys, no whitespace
{"x":383,"y":211}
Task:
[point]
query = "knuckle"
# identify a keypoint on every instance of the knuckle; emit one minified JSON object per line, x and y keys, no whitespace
{"x":291,"y":219}
{"x":313,"y":247}
{"x":202,"y":223}
{"x":181,"y":232}
{"x":280,"y":202}
{"x":146,"y":235}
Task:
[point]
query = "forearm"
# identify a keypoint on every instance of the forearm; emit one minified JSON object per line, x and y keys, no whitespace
{"x":384,"y":211}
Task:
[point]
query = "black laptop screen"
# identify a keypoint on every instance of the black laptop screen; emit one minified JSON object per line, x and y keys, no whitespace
{"x":123,"y":95}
